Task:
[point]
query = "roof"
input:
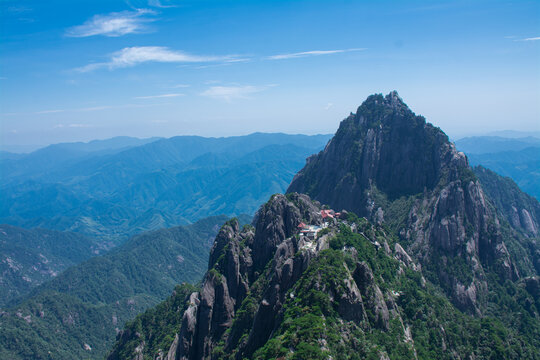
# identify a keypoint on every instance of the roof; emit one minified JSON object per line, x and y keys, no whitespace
{"x":327,"y":213}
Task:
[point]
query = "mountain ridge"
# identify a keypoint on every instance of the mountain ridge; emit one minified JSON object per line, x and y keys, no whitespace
{"x":164,"y":183}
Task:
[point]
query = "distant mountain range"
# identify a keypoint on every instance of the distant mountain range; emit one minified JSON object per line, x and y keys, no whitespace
{"x":115,"y":188}
{"x":117,"y":142}
{"x":514,"y":134}
{"x":495,"y":144}
{"x":517,"y":158}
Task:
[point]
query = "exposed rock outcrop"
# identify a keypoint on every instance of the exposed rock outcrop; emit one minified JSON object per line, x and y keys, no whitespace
{"x":252,"y":274}
{"x":372,"y":294}
{"x":237,"y":257}
{"x":385,"y":155}
{"x":521,"y":210}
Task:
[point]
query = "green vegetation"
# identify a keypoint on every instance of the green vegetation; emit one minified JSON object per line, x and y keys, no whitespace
{"x":113,"y":194}
{"x":466,"y":175}
{"x":31,"y":257}
{"x":311,"y":318}
{"x":88,"y":302}
{"x":155,"y":327}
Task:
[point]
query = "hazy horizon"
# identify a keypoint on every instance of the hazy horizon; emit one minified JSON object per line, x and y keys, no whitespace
{"x":24,"y":149}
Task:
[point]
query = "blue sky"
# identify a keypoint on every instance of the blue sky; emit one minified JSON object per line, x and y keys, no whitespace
{"x":81,"y":70}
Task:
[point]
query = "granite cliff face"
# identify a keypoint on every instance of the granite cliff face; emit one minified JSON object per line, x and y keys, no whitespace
{"x":383,"y":145}
{"x":237,"y":259}
{"x":521,"y":210}
{"x":390,"y":165}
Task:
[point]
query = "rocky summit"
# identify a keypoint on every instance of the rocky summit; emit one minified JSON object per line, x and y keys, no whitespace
{"x":388,"y":164}
{"x":384,"y":247}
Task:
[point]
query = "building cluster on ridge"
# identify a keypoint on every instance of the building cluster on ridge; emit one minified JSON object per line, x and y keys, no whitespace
{"x":311,"y":231}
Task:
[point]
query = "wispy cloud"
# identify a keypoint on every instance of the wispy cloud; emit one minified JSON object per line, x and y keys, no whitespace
{"x":328,"y":106}
{"x":225,"y":62}
{"x":113,"y":24}
{"x":21,"y":13}
{"x":59,"y":126}
{"x":310,"y":53}
{"x":19,"y":9}
{"x":229,"y":93}
{"x":132,"y":56}
{"x":158,"y":96}
{"x":237,"y":60}
{"x":159,"y":4}
{"x":530,"y":39}
{"x":49,"y":111}
{"x":177,"y":86}
{"x":94,"y":108}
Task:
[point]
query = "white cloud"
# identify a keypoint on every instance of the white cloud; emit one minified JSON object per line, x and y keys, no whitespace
{"x":531,"y":39}
{"x":59,"y":126}
{"x":310,"y":53}
{"x":237,"y":60}
{"x":158,"y":96}
{"x":328,"y":106}
{"x":95,"y":108}
{"x":229,"y":93}
{"x":49,"y":111}
{"x":132,"y":56}
{"x":19,"y":9}
{"x":157,"y":3}
{"x":79,"y":125}
{"x":113,"y":24}
{"x":98,"y":108}
{"x":177,"y":86}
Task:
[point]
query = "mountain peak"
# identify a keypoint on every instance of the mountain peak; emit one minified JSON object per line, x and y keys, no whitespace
{"x":388,"y":164}
{"x":385,"y":145}
{"x":379,"y":110}
{"x":394,"y":100}
{"x":391,"y":101}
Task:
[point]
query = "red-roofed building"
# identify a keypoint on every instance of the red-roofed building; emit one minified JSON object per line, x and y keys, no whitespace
{"x":327,"y":214}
